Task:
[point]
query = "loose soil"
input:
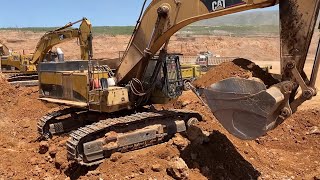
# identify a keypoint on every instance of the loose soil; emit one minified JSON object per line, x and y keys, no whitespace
{"x":292,"y":151}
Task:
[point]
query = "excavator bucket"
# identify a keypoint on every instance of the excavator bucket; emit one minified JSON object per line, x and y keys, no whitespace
{"x":244,"y":107}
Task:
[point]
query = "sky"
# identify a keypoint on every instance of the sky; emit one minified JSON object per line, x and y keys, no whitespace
{"x":56,"y":13}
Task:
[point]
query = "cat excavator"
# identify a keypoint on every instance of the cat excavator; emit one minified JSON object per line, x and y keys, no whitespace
{"x":112,"y":111}
{"x":24,"y":66}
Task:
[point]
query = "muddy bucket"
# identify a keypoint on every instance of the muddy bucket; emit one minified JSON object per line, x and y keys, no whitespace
{"x":244,"y":107}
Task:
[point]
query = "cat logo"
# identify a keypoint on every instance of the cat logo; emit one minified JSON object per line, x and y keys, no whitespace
{"x":218,"y":4}
{"x":214,"y":5}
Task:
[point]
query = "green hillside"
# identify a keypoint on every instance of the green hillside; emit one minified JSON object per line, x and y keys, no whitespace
{"x":249,"y":23}
{"x":255,"y":18}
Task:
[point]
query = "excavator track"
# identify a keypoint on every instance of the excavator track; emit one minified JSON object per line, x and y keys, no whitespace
{"x":56,"y":123}
{"x":133,"y":132}
{"x":50,"y":119}
{"x":23,"y":79}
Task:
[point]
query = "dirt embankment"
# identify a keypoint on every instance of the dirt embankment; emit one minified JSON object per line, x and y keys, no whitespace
{"x":19,"y":112}
{"x":104,"y":46}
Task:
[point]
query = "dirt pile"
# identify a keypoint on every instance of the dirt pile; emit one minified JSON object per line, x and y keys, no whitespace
{"x":18,"y":102}
{"x":220,"y":72}
{"x":19,"y":113}
{"x":256,"y":71}
{"x":7,"y":94}
{"x":240,"y":67}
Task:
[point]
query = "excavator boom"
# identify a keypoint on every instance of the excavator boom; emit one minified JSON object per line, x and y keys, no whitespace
{"x":246,"y":108}
{"x":62,"y":35}
{"x":163,"y":18}
{"x":27,"y":63}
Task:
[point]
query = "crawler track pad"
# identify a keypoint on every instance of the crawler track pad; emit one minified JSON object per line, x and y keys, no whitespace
{"x":244,"y":107}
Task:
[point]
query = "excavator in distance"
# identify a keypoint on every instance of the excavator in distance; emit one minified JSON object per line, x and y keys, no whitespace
{"x":24,"y":66}
{"x":111,"y":111}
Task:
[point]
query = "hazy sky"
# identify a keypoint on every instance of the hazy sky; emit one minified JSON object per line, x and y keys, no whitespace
{"x":53,"y":13}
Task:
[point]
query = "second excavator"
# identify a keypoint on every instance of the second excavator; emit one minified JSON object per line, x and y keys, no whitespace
{"x":23,"y":67}
{"x":112,"y":111}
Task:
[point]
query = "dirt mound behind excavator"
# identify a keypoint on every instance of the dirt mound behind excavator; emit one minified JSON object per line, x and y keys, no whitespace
{"x":17,"y":101}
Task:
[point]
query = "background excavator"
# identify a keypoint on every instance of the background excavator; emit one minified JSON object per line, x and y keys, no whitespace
{"x":112,"y":111}
{"x":26,"y":64}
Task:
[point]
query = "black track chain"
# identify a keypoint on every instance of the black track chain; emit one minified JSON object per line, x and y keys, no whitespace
{"x":79,"y":137}
{"x":46,"y":120}
{"x":22,"y":77}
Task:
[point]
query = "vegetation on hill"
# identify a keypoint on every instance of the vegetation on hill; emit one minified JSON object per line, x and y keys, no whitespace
{"x":249,"y":23}
{"x":254,"y":18}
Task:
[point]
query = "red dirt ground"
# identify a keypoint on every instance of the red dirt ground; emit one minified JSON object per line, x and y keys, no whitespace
{"x":292,"y":151}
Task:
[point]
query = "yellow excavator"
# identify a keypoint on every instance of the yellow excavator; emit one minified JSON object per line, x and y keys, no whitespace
{"x":112,"y":111}
{"x":26,"y":64}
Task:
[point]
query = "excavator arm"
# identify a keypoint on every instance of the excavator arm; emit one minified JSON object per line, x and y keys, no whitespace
{"x":246,"y":108}
{"x":298,"y":22}
{"x":63,"y":34}
{"x":163,"y":18}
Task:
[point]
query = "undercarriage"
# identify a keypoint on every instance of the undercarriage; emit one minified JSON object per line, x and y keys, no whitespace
{"x":92,"y":140}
